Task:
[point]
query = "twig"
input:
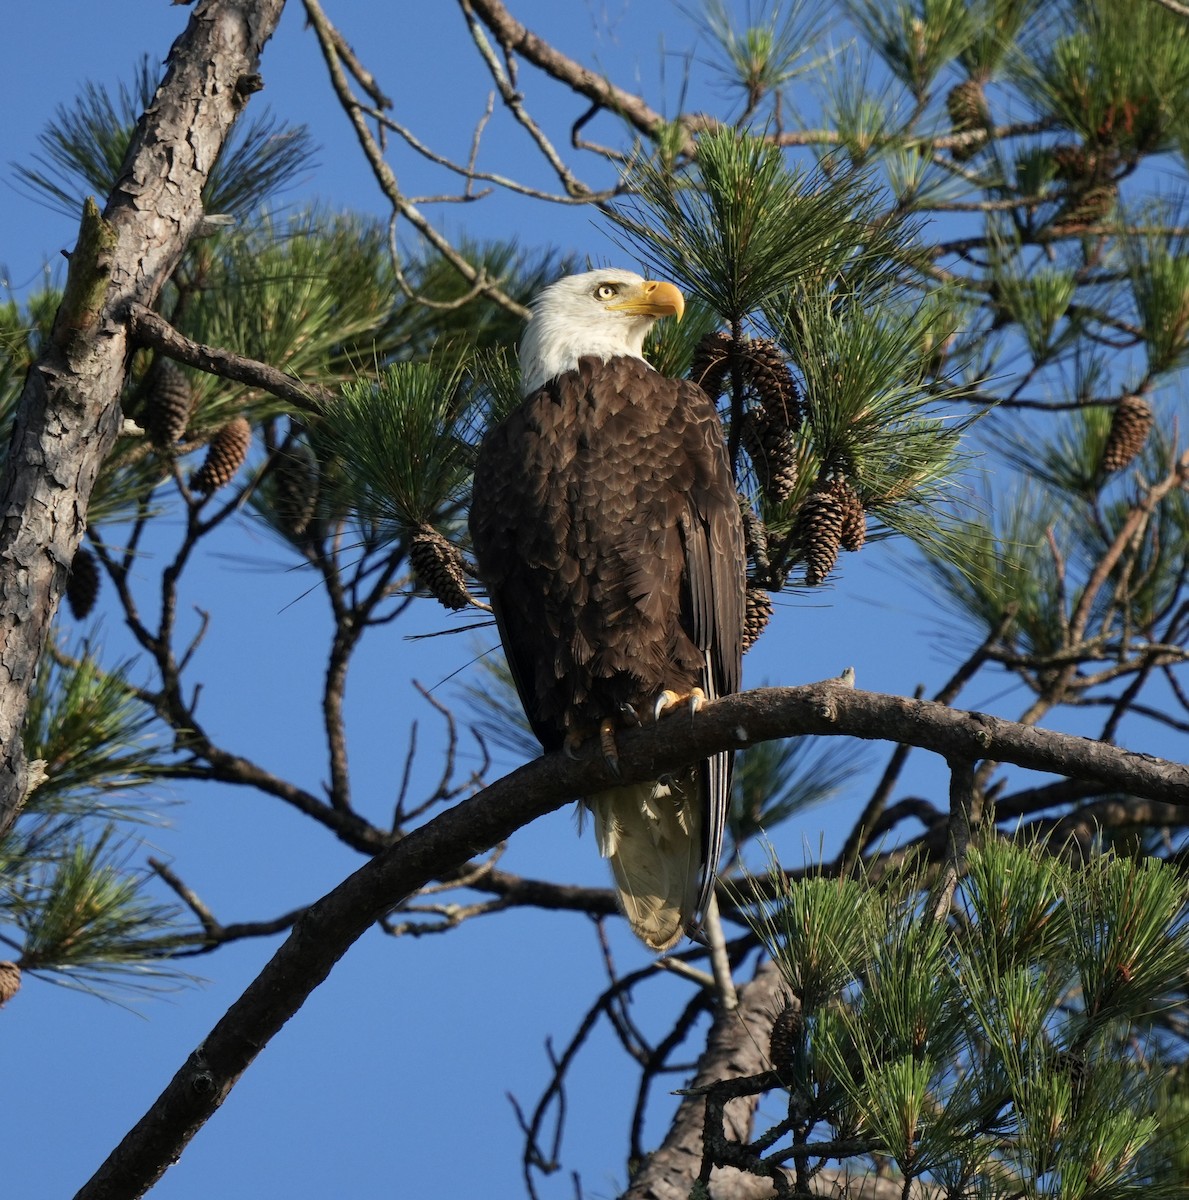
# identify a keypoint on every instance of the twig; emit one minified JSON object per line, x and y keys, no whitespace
{"x":189,"y":897}
{"x":965,"y":815}
{"x":724,"y":983}
{"x":401,"y":205}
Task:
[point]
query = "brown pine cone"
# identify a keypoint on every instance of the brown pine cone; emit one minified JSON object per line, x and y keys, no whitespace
{"x":755,"y":536}
{"x":966,"y":104}
{"x":712,"y":361}
{"x":1073,"y":163}
{"x":169,"y":404}
{"x":819,"y":534}
{"x":437,"y":563}
{"x":767,"y":372}
{"x":854,"y":516}
{"x":773,"y":454}
{"x":785,"y":1038}
{"x":82,"y":585}
{"x":1130,"y":426}
{"x":10,"y":981}
{"x":295,"y":481}
{"x":757,"y":613}
{"x":1087,"y":206}
{"x":224,"y":456}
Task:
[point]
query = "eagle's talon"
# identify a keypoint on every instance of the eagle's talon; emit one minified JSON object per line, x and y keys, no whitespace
{"x":572,"y":745}
{"x":695,"y":698}
{"x":607,"y":742}
{"x":629,"y":714}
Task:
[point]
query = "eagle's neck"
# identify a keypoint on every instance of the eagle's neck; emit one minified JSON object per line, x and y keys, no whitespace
{"x":551,"y":346}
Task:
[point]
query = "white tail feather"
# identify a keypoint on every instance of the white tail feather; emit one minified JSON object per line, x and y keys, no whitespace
{"x":651,"y":833}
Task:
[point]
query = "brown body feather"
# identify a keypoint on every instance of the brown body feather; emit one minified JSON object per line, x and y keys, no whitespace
{"x":607,"y":530}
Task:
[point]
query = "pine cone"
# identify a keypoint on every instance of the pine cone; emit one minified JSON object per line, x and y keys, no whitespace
{"x":767,"y":371}
{"x":966,"y":104}
{"x":785,"y":1038}
{"x":757,"y":613}
{"x":224,"y":456}
{"x":1087,"y":206}
{"x":773,"y":453}
{"x":854,"y":516}
{"x":819,"y":534}
{"x":1073,"y":163}
{"x":10,"y":981}
{"x":295,"y":480}
{"x":82,"y":585}
{"x":169,"y":405}
{"x":712,"y":361}
{"x":1129,"y":430}
{"x":755,"y":537}
{"x":437,"y":563}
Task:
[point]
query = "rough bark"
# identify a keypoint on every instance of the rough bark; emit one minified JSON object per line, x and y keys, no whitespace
{"x":69,"y":411}
{"x":328,"y":928}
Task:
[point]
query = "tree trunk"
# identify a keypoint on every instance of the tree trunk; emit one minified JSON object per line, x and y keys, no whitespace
{"x":738,"y":1046}
{"x":69,"y":412}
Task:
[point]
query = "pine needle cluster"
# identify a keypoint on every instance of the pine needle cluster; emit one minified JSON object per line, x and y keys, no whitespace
{"x":71,"y":907}
{"x":997,"y":1051}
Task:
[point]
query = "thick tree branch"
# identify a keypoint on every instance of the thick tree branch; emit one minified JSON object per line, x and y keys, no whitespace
{"x":69,"y":412}
{"x":328,"y":928}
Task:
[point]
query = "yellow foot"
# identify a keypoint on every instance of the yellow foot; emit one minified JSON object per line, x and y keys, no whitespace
{"x":607,"y":743}
{"x":668,"y":701}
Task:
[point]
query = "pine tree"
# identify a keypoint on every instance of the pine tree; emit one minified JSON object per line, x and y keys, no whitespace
{"x":924,"y":317}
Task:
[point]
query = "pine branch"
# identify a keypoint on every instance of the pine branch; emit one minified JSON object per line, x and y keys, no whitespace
{"x":151,"y":329}
{"x":329,"y":927}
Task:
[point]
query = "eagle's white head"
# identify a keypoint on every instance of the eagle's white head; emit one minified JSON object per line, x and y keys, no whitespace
{"x":601,"y":313}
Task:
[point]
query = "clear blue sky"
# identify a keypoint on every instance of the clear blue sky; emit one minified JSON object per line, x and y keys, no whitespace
{"x":392,"y":1080}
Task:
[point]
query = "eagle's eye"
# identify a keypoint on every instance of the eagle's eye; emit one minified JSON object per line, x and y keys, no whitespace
{"x":605,"y":291}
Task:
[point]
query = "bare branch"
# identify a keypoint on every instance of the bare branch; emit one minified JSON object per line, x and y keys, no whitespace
{"x":329,"y":38}
{"x":514,"y":38}
{"x":151,"y":329}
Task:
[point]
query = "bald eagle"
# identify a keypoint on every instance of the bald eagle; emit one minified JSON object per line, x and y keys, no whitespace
{"x":607,"y":530}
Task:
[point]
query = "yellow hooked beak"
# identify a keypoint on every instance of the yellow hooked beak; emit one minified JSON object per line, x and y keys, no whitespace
{"x":652,"y":298}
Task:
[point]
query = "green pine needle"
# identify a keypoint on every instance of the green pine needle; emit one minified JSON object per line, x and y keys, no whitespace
{"x":95,"y":737}
{"x":742,"y":225}
{"x":403,"y":435}
{"x":863,"y":358}
{"x":670,"y":345}
{"x":915,"y":38}
{"x":1158,"y":270}
{"x":84,"y":145}
{"x":311,"y":296}
{"x":773,"y":781}
{"x":768,"y":53}
{"x":1116,"y":74}
{"x":995,"y":26}
{"x":87,"y":922}
{"x":1006,"y":565}
{"x":997,"y":1052}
